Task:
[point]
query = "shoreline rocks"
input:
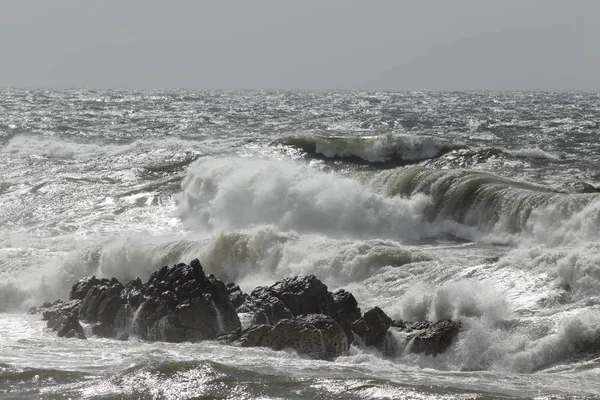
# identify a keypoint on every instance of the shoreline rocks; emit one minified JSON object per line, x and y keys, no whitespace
{"x":181,"y":303}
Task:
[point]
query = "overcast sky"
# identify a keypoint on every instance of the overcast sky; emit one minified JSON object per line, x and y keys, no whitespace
{"x":279,"y":44}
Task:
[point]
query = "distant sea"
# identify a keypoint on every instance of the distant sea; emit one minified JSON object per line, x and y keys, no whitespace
{"x":479,"y":207}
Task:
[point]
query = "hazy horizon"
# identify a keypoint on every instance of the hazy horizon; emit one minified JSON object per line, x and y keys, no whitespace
{"x":337,"y":45}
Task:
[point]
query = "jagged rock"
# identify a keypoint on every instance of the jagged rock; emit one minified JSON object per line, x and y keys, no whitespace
{"x":66,"y":324}
{"x":101,"y":302}
{"x":304,"y":295}
{"x":181,"y":303}
{"x":346,"y":311}
{"x":132,"y":293}
{"x":236,"y":295}
{"x":104,"y":330}
{"x":372,"y":326}
{"x":80,"y":288}
{"x":265,"y":307}
{"x":432,"y":337}
{"x":317,"y":336}
{"x":61,"y":307}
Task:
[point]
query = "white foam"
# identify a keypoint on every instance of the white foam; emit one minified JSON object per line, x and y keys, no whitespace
{"x":236,"y":193}
{"x":536,"y":152}
{"x":61,"y":147}
{"x":381,"y":148}
{"x":54,"y":147}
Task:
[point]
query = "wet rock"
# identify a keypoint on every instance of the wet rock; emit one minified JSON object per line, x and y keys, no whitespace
{"x":236,"y":295}
{"x":317,"y":336}
{"x":304,"y":295}
{"x":372,"y":327}
{"x":181,"y":303}
{"x":265,"y":307}
{"x":66,"y":324}
{"x":80,"y":288}
{"x":101,"y":302}
{"x":432,"y":338}
{"x":61,"y":307}
{"x":104,"y":330}
{"x":346,"y":311}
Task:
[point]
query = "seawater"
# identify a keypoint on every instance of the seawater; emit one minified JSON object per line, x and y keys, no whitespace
{"x":480,"y":207}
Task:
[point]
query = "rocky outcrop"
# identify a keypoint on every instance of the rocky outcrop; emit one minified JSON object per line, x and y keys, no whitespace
{"x":63,"y":318}
{"x":101,"y":301}
{"x":316,"y":335}
{"x":264,"y":307}
{"x":295,"y":297}
{"x":181,"y":303}
{"x":431,"y":337}
{"x":372,"y":327}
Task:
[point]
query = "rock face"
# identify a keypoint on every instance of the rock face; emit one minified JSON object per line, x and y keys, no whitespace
{"x":181,"y":303}
{"x":315,"y":335}
{"x":432,"y":337}
{"x":295,"y":297}
{"x":372,"y":326}
{"x":63,"y":318}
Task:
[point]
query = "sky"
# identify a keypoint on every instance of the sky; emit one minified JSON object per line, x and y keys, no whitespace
{"x":284,"y":44}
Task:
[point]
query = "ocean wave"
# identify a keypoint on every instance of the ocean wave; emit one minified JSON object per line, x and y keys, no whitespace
{"x":537,"y":153}
{"x":236,"y":193}
{"x":496,"y":204}
{"x":384,"y":149}
{"x":55,"y":147}
{"x":470,"y":157}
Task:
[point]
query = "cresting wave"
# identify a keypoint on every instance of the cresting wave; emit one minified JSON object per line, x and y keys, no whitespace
{"x":386,"y":149}
{"x":497,"y":205}
{"x":237,"y":193}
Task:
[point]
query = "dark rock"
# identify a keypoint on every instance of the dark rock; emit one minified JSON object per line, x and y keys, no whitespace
{"x":304,"y":295}
{"x":346,"y":311}
{"x":104,"y":330}
{"x":346,"y":305}
{"x":45,"y":306}
{"x":80,"y":288}
{"x":236,"y":295}
{"x":66,"y":325}
{"x":181,"y":303}
{"x":372,"y":326}
{"x":432,"y":337}
{"x":317,"y":336}
{"x":265,"y":307}
{"x":61,"y":307}
{"x":398,"y":323}
{"x":101,"y":302}
{"x":132,"y":293}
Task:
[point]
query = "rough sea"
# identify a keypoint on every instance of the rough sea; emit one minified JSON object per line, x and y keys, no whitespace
{"x":479,"y":207}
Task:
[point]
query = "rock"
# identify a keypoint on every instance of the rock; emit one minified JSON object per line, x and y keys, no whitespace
{"x":66,"y":324}
{"x":432,"y":337}
{"x":265,"y":307}
{"x":317,"y":336}
{"x":104,"y":330}
{"x":80,"y":288}
{"x":181,"y":303}
{"x":346,"y":311}
{"x":101,"y":301}
{"x":60,"y":307}
{"x":304,"y":295}
{"x":372,"y":327}
{"x":236,"y":295}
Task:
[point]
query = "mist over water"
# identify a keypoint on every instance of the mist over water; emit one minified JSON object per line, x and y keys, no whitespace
{"x":478,"y":207}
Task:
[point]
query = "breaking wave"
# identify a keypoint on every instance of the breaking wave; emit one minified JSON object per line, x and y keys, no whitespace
{"x":495,"y":204}
{"x":385,"y":149}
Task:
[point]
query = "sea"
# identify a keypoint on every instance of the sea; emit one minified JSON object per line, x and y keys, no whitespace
{"x":480,"y":207}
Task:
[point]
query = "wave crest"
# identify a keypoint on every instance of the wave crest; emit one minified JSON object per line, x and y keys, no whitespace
{"x":385,"y":149}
